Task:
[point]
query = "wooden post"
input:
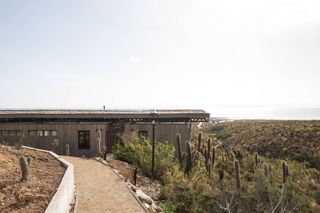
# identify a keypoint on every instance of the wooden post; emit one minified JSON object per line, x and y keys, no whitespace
{"x":135,"y":171}
{"x":153,"y":147}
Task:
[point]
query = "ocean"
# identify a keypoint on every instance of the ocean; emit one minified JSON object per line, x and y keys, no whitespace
{"x":269,"y":113}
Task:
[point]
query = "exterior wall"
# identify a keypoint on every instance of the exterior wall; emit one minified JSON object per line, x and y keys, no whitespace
{"x":163,"y":132}
{"x":66,"y":134}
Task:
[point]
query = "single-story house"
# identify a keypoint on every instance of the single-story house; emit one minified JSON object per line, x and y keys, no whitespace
{"x":79,"y":128}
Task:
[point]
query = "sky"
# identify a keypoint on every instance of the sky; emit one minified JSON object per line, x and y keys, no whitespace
{"x":217,"y":54}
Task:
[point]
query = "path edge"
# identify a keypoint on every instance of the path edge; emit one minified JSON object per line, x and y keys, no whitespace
{"x":62,"y":199}
{"x":123,"y":178}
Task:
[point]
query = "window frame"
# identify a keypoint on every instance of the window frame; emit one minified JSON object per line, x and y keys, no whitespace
{"x":84,"y":138}
{"x":143,"y":133}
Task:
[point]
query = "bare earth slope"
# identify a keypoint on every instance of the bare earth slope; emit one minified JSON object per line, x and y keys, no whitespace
{"x":45,"y":174}
{"x":99,"y":189}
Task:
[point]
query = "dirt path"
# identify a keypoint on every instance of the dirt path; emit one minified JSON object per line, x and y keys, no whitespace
{"x":99,"y":189}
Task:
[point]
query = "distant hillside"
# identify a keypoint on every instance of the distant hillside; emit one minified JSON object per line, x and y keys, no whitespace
{"x":296,"y":140}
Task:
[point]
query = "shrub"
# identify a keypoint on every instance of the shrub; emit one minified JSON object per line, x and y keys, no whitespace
{"x":317,"y":197}
{"x":20,"y":142}
{"x":138,"y":151}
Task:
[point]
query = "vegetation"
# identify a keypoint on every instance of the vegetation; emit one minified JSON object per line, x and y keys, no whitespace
{"x":216,"y":174}
{"x":20,"y":142}
{"x":137,"y":151}
{"x":295,"y":140}
{"x":24,"y":165}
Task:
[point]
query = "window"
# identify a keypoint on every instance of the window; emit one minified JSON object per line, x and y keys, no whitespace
{"x":84,"y":139}
{"x":46,"y":133}
{"x":53,"y":133}
{"x":32,"y":133}
{"x":39,"y":133}
{"x":12,"y":133}
{"x":143,"y":134}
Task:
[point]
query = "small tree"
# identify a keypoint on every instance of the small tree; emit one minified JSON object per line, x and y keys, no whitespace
{"x":55,"y":143}
{"x":20,"y":142}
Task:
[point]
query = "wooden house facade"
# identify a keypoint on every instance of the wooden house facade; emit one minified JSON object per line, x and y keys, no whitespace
{"x":79,"y":128}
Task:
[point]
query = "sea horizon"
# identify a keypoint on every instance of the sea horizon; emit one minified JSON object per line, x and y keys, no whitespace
{"x":265,"y":113}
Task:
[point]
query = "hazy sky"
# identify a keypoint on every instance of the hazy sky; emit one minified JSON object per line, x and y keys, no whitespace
{"x":156,"y":54}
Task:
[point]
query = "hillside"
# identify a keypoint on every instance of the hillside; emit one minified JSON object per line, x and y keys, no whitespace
{"x":295,"y":140}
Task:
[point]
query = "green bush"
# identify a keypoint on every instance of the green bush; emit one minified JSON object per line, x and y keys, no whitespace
{"x":317,"y":197}
{"x":138,"y":151}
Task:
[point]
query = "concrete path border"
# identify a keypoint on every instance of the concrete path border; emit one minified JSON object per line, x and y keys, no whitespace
{"x":64,"y":195}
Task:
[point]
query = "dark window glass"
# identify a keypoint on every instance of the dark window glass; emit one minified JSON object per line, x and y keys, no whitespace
{"x":143,"y":134}
{"x":84,"y":139}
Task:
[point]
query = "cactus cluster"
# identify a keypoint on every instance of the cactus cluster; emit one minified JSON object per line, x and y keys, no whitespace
{"x":205,"y":152}
{"x":230,"y":160}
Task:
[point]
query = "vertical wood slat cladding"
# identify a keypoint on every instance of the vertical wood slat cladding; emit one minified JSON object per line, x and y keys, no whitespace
{"x":67,"y":133}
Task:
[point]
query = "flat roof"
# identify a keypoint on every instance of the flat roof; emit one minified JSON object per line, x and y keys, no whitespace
{"x":108,"y":115}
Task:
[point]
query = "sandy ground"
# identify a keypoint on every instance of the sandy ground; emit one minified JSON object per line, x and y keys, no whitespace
{"x":99,"y":189}
{"x":33,"y":195}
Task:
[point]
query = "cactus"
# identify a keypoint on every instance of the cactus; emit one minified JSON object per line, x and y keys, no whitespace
{"x":199,"y":141}
{"x":67,"y":150}
{"x":29,"y":160}
{"x":213,"y":157}
{"x":256,"y":159}
{"x":209,"y":148}
{"x":180,"y":155}
{"x":98,"y":141}
{"x":237,"y":169}
{"x":285,"y":171}
{"x":208,"y":167}
{"x":24,"y":168}
{"x":189,"y":159}
{"x":221,"y":174}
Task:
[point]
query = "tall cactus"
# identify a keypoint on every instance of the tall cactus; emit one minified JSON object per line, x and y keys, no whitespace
{"x":189,"y":159}
{"x":256,"y":159}
{"x":285,"y":171}
{"x":213,"y":157}
{"x":237,"y":170}
{"x":221,"y":174}
{"x":98,"y":141}
{"x":67,"y":150}
{"x":179,"y":152}
{"x":24,"y":167}
{"x":209,"y":149}
{"x":199,"y":141}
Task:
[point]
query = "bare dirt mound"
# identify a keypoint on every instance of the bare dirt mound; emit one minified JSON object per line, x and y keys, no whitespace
{"x":45,"y":174}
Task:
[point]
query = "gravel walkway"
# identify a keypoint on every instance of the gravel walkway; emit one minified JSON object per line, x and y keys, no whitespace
{"x":99,"y":189}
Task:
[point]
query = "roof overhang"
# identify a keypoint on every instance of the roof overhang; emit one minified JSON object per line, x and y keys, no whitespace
{"x":127,"y":116}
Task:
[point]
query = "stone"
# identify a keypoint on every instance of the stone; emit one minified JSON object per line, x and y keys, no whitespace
{"x":157,"y":208}
{"x":143,"y":197}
